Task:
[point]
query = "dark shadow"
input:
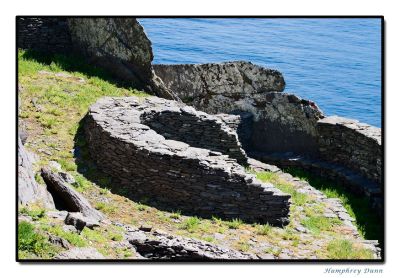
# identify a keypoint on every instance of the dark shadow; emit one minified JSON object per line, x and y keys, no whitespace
{"x":74,"y":62}
{"x":368,"y":219}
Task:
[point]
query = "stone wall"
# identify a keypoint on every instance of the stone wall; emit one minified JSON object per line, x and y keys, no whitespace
{"x":351,"y":143}
{"x":280,"y":122}
{"x":174,"y":174}
{"x":119,"y":45}
{"x":197,"y":129}
{"x":45,"y":34}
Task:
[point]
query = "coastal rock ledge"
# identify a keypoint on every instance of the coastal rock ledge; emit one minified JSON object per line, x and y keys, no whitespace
{"x":179,"y":157}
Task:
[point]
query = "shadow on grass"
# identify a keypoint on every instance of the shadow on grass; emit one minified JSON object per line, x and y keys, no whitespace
{"x":74,"y":63}
{"x":368,"y":221}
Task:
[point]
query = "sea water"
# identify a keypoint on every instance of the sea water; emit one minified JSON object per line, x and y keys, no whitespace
{"x":335,"y":62}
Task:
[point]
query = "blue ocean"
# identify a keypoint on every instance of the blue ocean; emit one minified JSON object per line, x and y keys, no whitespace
{"x":334,"y":62}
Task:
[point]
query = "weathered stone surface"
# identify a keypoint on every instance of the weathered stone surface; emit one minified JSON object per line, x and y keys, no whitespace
{"x":159,"y":245}
{"x":122,"y":139}
{"x":29,"y":190}
{"x":279,"y":122}
{"x":351,"y":143}
{"x":121,"y":46}
{"x":72,"y":200}
{"x":45,"y":34}
{"x":79,"y":221}
{"x":118,"y":45}
{"x":196,"y":84}
{"x":59,"y":241}
{"x":77,"y":253}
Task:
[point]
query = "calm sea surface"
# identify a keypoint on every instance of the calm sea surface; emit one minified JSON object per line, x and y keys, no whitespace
{"x":334,"y":62}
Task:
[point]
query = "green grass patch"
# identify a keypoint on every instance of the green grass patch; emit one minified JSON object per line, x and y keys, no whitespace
{"x":72,"y":237}
{"x":316,"y":223}
{"x":191,"y":224}
{"x":368,"y":223}
{"x":33,"y":243}
{"x":264,"y":229}
{"x":35,"y":212}
{"x":234,"y":223}
{"x":343,"y":249}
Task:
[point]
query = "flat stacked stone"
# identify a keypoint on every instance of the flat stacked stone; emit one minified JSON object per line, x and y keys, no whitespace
{"x":125,"y":139}
{"x":351,"y":143}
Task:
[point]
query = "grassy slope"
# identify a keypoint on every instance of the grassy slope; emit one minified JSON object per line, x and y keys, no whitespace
{"x":52,"y":105}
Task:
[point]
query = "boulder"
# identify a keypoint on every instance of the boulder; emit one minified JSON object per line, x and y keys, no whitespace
{"x":271,"y":121}
{"x":120,"y":46}
{"x":29,"y":190}
{"x":79,"y":221}
{"x":73,"y":200}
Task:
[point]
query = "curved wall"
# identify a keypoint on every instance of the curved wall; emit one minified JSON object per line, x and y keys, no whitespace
{"x":172,"y":173}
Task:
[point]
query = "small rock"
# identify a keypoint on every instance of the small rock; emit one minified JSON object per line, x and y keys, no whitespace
{"x":68,"y":178}
{"x":57,"y":214}
{"x":79,"y":221}
{"x":145,"y":228}
{"x":59,"y":241}
{"x":69,"y":228}
{"x":55,"y":165}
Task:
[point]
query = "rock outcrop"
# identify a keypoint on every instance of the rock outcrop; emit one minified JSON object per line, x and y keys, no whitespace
{"x":118,"y":45}
{"x":280,"y":122}
{"x":161,"y":246}
{"x":29,"y":191}
{"x":123,"y":139}
{"x":207,"y":85}
{"x":71,"y":200}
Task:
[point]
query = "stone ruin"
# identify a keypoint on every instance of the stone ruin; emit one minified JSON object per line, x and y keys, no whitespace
{"x":181,"y":158}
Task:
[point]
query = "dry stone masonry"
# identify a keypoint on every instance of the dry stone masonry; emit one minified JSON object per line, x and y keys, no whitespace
{"x":272,"y":120}
{"x":44,"y":34}
{"x":177,"y":175}
{"x":351,"y":143}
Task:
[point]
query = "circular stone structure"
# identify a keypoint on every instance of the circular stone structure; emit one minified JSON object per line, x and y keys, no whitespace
{"x":180,"y":159}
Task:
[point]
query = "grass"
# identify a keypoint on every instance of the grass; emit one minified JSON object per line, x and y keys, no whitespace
{"x":234,"y":223}
{"x":55,"y":126}
{"x":297,"y":198}
{"x":35,"y":212}
{"x":316,"y":223}
{"x":72,"y":237}
{"x":368,"y":223}
{"x":191,"y":224}
{"x":344,"y":249}
{"x":30,"y":242}
{"x":264,"y":229}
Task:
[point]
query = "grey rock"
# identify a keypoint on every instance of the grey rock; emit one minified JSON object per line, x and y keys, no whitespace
{"x":79,"y":221}
{"x":59,"y":241}
{"x":159,"y":245}
{"x":271,"y":121}
{"x":120,"y":46}
{"x":55,"y":165}
{"x":29,"y":190}
{"x":72,"y":199}
{"x":68,"y":178}
{"x":80,"y":254}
